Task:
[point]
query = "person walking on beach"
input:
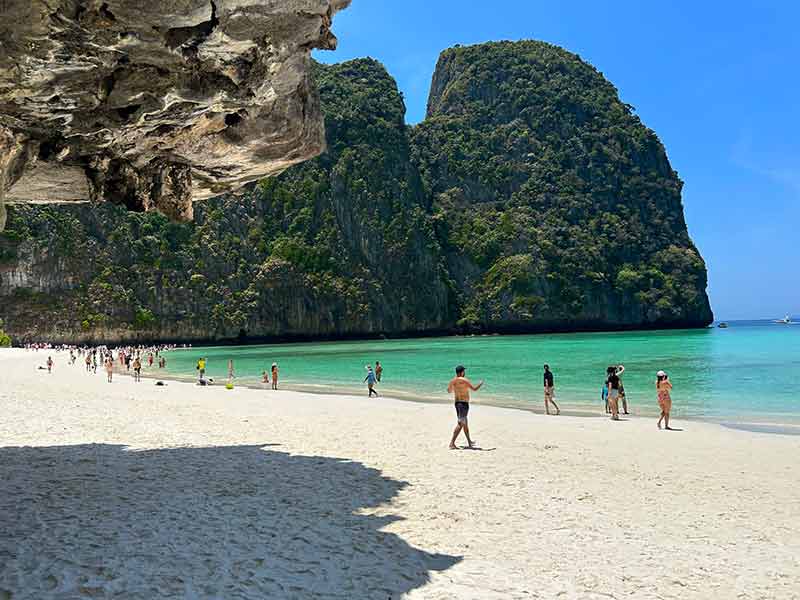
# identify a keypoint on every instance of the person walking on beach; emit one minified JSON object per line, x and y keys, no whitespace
{"x":137,"y":369}
{"x":549,"y":391}
{"x":201,"y":366}
{"x":49,"y":364}
{"x":274,"y":376}
{"x":378,"y":370}
{"x":110,"y":368}
{"x":663,"y":388}
{"x":370,"y":379}
{"x":230,"y":370}
{"x":460,"y":387}
{"x":88,"y":362}
{"x":613,"y":392}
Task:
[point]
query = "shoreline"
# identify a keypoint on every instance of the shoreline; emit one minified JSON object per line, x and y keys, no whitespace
{"x":771,"y":424}
{"x":742,"y":423}
{"x":777,"y":426}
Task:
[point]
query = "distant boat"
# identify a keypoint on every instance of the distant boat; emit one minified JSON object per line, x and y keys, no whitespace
{"x":784,"y":321}
{"x":723,"y":325}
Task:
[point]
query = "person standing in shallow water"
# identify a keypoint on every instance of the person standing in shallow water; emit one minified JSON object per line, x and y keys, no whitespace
{"x":549,"y":391}
{"x":460,"y":387}
{"x":378,"y":370}
{"x":663,"y":388}
{"x":613,"y":392}
{"x":370,"y":380}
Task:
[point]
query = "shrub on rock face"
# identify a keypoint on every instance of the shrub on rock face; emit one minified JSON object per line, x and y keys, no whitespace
{"x":5,"y":340}
{"x":144,"y":318}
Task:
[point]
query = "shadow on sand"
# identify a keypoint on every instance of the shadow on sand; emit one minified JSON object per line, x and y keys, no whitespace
{"x":222,"y":522}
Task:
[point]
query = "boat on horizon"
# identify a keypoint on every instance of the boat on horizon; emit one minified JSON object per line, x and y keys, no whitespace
{"x":787,"y":320}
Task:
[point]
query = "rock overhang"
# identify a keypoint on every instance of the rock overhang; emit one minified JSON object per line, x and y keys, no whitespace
{"x":156,"y":103}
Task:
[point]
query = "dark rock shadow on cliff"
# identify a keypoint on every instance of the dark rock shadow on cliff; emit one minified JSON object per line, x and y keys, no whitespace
{"x":105,"y":521}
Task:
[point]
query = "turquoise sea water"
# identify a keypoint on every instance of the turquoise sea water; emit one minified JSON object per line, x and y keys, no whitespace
{"x":750,"y":370}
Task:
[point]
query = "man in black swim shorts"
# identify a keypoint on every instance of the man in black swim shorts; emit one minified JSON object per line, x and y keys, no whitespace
{"x":460,"y":386}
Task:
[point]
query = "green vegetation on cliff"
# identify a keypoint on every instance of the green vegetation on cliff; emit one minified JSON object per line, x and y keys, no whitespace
{"x":555,"y":205}
{"x":531,"y":198}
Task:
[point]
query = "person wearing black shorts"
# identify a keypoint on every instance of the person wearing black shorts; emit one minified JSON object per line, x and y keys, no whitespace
{"x":460,"y":387}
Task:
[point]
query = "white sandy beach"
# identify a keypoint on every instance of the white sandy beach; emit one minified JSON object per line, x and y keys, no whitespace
{"x":131,"y":490}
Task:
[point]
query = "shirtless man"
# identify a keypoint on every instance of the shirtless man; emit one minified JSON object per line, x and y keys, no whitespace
{"x":460,"y":386}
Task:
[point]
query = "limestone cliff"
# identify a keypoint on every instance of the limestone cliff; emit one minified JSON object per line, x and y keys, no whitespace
{"x":556,"y":207}
{"x":530,"y":199}
{"x":155,"y":103}
{"x":341,"y":245}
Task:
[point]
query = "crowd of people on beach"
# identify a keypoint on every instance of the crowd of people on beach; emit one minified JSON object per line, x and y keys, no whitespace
{"x":129,"y":358}
{"x":132,"y":358}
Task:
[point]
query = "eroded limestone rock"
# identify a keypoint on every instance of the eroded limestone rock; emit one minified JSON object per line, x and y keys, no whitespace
{"x":155,"y":103}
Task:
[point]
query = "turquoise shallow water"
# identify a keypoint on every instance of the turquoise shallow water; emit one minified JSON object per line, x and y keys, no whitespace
{"x":748,"y":371}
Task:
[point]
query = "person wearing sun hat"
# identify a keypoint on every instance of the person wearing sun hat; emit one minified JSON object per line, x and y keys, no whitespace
{"x":663,"y":387}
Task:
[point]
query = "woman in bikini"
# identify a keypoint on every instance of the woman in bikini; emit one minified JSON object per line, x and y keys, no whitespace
{"x":663,"y":387}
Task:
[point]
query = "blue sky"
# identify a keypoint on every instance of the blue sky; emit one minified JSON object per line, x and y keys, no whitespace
{"x":718,"y":82}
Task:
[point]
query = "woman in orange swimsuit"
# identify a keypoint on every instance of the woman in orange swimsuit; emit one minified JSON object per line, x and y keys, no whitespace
{"x":663,"y":387}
